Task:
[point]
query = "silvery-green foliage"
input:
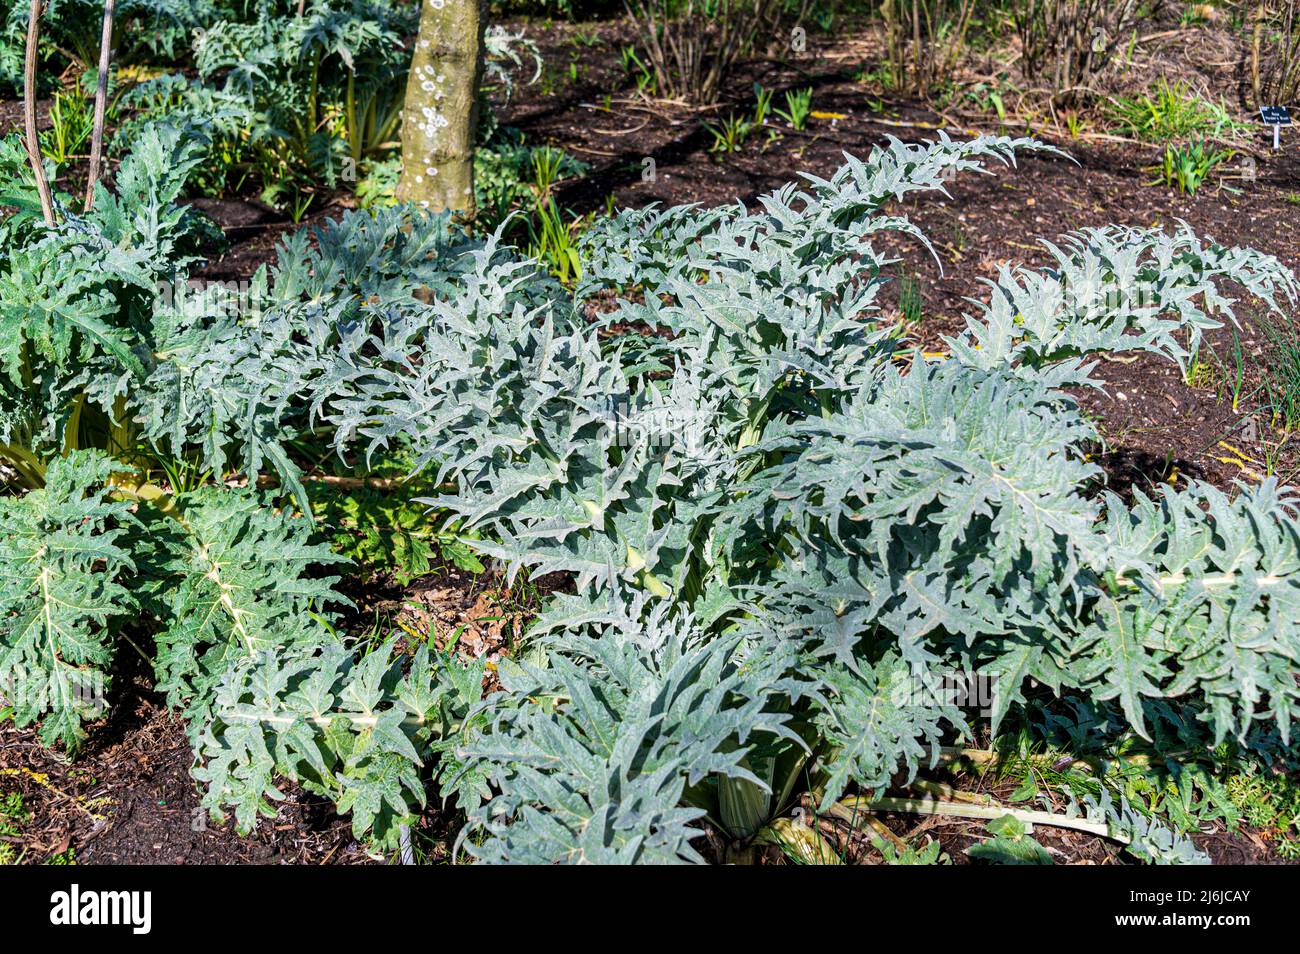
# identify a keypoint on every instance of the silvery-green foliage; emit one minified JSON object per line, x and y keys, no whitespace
{"x":1113,"y":289}
{"x":1145,"y":838}
{"x":776,"y":330}
{"x":578,"y":472}
{"x":824,"y":222}
{"x":268,"y":688}
{"x":772,"y":350}
{"x":76,"y":315}
{"x":951,"y":519}
{"x":355,"y":729}
{"x":1200,"y":598}
{"x":230,"y":579}
{"x":18,"y":192}
{"x":174,"y":99}
{"x":594,"y":754}
{"x":283,"y":92}
{"x":941,"y":509}
{"x":875,"y":726}
{"x":770,"y":520}
{"x":64,"y":572}
{"x":873,"y":713}
{"x":643,"y":247}
{"x":248,"y":370}
{"x":278,"y":63}
{"x":141,"y":212}
{"x":384,"y":254}
{"x":504,"y":54}
{"x":500,"y":391}
{"x":940,"y":499}
{"x":405,"y":375}
{"x":862,"y":524}
{"x":783,"y":295}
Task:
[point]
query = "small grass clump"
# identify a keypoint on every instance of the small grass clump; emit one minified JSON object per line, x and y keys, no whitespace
{"x":1172,"y":112}
{"x":1270,"y":803}
{"x":1282,"y":374}
{"x":13,"y":815}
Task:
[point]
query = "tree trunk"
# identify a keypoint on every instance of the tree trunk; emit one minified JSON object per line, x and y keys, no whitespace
{"x":440,"y":115}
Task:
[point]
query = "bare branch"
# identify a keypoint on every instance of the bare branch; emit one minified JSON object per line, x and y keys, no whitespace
{"x":29,"y":113}
{"x":101,"y":103}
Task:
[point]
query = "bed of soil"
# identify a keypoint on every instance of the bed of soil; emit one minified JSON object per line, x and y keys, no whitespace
{"x":128,"y":797}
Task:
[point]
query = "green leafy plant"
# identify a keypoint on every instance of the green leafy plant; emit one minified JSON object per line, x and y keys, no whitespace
{"x":798,"y":108}
{"x":511,"y":177}
{"x":762,"y":105}
{"x":1281,"y":372}
{"x":1011,"y":844}
{"x":290,"y":99}
{"x":548,"y":169}
{"x":356,"y":731}
{"x":1270,"y":801}
{"x":389,"y":532}
{"x":79,"y":335}
{"x":71,"y":117}
{"x":63,"y":571}
{"x":910,"y":302}
{"x":1187,"y":167}
{"x":729,"y":134}
{"x":634,"y":67}
{"x":931,"y":854}
{"x":776,"y":526}
{"x":552,"y":241}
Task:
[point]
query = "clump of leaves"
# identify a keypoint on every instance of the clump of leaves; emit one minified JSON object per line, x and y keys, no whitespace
{"x":63,"y":589}
{"x":1010,"y":844}
{"x":1171,"y":112}
{"x":931,"y":853}
{"x":354,"y":730}
{"x":1269,"y":801}
{"x":1188,"y":166}
{"x":389,"y":531}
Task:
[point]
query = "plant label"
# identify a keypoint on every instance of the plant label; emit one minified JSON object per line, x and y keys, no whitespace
{"x":1277,"y":117}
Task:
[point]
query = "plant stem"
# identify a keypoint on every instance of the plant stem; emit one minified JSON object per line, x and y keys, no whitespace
{"x":934,"y":806}
{"x":29,"y":113}
{"x":30,"y":470}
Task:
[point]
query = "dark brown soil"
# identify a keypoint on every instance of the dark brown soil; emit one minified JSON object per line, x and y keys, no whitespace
{"x":253,"y":230}
{"x":128,"y":799}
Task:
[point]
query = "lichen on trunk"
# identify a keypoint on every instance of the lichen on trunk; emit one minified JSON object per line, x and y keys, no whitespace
{"x":440,"y":116}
